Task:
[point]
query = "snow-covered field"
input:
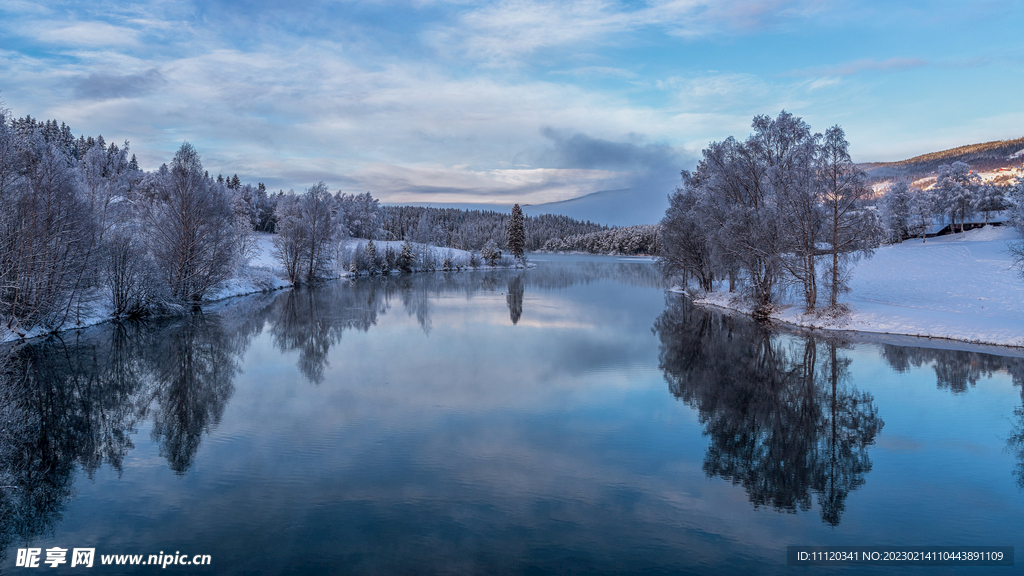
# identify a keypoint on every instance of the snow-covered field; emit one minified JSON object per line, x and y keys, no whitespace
{"x":960,"y":286}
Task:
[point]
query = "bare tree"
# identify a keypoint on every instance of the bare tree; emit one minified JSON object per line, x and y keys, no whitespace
{"x":850,"y":231}
{"x":320,"y":220}
{"x":290,"y":237}
{"x":129,"y":274}
{"x":191,"y":229}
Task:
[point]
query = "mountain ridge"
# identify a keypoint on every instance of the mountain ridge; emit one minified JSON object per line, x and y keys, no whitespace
{"x":985,"y":156}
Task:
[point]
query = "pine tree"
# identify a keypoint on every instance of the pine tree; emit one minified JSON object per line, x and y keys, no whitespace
{"x":371,"y":256}
{"x":517,"y":232}
{"x":490,"y":253}
{"x":405,"y":258}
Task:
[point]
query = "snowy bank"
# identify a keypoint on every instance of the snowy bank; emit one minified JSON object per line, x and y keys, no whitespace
{"x":958,"y":287}
{"x":263,"y":273}
{"x":428,"y":258}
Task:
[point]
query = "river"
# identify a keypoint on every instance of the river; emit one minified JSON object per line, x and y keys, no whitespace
{"x":570,"y":418}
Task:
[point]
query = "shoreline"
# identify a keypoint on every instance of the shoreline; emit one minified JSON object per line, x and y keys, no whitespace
{"x":898,"y":338}
{"x":960,"y":287}
{"x":11,"y":337}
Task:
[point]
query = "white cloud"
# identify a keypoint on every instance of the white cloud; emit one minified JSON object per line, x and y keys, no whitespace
{"x":894,"y":64}
{"x":826,"y":82}
{"x":86,"y":34}
{"x":504,"y":33}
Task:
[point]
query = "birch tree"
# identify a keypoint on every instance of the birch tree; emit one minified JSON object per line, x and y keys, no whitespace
{"x":191,"y":228}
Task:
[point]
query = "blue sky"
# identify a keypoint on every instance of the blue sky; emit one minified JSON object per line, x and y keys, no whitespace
{"x":514,"y":101}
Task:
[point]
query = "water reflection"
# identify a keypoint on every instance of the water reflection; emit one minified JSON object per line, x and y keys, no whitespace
{"x":311,"y":321}
{"x":1016,"y":445}
{"x":516,"y":290}
{"x":782,"y":418}
{"x":73,"y":403}
{"x":955,"y":370}
{"x":959,"y":370}
{"x":192,"y":367}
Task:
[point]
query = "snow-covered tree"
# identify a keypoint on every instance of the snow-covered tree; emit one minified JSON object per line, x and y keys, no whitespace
{"x":991,"y":198}
{"x":360,"y":215}
{"x":923,"y":206}
{"x":46,"y":231}
{"x":957,"y":191}
{"x":897,"y":210}
{"x":490,"y":253}
{"x":371,"y":257}
{"x":767,"y":209}
{"x":689,"y":247}
{"x":318,"y":216}
{"x":517,"y":232}
{"x":799,"y":196}
{"x":390,"y":259}
{"x":191,"y":229}
{"x":307,"y":230}
{"x":849,"y":229}
{"x":406,"y":258}
{"x":1015,"y":203}
{"x":291,"y":236}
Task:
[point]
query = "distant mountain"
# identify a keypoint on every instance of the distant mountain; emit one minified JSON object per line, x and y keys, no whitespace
{"x":624,"y":207}
{"x":983,"y":157}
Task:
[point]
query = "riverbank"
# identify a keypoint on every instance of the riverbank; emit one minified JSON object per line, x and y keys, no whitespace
{"x":263,"y":273}
{"x":958,"y":287}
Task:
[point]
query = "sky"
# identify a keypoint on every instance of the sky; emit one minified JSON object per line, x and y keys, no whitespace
{"x":512,"y":101}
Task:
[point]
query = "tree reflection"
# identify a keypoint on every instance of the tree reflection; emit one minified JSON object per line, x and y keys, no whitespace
{"x":193,"y":366}
{"x":311,"y":321}
{"x":958,"y":371}
{"x":72,"y":402}
{"x":955,"y":370}
{"x":782,"y":419}
{"x":67,"y":404}
{"x":514,"y":299}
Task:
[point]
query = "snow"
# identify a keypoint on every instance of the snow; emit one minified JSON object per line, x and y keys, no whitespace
{"x":959,"y":287}
{"x":264,"y":257}
{"x":249,"y":280}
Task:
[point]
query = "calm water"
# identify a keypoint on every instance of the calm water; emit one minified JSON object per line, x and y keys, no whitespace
{"x":572,"y":418}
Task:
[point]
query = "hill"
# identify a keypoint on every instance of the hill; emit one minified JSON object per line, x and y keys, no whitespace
{"x":988,"y":156}
{"x":625,"y":207}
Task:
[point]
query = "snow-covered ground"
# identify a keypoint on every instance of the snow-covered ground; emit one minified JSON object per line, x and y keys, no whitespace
{"x":960,"y":286}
